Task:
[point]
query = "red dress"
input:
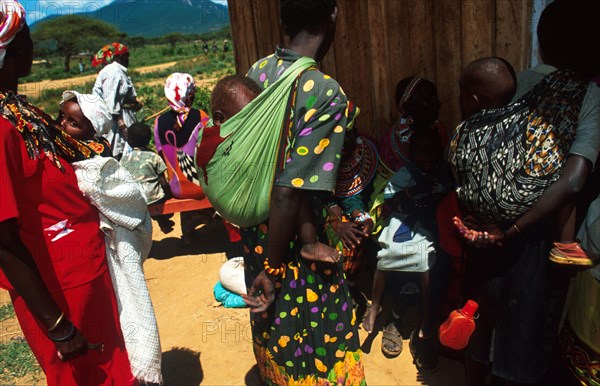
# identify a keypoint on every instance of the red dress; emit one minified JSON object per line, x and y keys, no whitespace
{"x":61,"y":230}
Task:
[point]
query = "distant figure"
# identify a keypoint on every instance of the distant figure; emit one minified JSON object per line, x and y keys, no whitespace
{"x":214,"y":46}
{"x":205,"y":47}
{"x":225,"y":45}
{"x":115,"y":87}
{"x":81,"y":65}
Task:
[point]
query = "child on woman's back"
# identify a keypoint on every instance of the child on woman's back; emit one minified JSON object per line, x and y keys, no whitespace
{"x":408,"y":240}
{"x":230,"y":95}
{"x":491,"y":82}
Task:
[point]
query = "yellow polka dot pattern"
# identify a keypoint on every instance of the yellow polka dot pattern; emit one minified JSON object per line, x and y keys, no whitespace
{"x":308,"y":85}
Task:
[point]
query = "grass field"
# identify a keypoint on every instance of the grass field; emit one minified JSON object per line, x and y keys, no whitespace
{"x":149,"y":86}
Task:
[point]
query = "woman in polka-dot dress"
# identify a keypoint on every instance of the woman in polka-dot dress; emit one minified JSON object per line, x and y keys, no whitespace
{"x":303,"y":324}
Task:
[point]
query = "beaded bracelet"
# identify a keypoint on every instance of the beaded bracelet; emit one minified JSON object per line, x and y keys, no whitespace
{"x":362,"y":217}
{"x":273,"y":271}
{"x":70,"y":335}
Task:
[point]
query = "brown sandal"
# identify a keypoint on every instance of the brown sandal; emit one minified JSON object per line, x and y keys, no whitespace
{"x":391,"y":334}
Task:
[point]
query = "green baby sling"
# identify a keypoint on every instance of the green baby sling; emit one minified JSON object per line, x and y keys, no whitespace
{"x":237,"y":163}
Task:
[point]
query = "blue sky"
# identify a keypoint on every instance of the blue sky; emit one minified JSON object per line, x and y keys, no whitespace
{"x":39,"y":9}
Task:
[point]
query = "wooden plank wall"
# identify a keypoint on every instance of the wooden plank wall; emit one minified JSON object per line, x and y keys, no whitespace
{"x":379,"y":42}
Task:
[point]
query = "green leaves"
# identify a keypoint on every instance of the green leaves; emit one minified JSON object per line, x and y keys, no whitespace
{"x":72,"y":34}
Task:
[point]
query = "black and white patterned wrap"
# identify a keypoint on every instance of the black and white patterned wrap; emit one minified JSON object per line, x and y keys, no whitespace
{"x":504,"y":159}
{"x":186,"y":163}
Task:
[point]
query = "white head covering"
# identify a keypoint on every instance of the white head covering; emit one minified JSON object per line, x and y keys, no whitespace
{"x":12,"y":19}
{"x":179,"y":89}
{"x":94,"y":108}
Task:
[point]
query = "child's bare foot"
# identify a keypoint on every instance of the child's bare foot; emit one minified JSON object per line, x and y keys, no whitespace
{"x":370,"y":317}
{"x":320,"y":252}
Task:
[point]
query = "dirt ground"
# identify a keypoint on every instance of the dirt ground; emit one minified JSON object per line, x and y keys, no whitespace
{"x":34,"y":89}
{"x":205,"y":343}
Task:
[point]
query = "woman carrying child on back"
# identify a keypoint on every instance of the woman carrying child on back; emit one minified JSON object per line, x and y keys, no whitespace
{"x":62,"y":301}
{"x":303,"y":326}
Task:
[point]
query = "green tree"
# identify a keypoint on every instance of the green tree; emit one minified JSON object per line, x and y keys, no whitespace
{"x":136,"y":41}
{"x":173,"y":38}
{"x":73,"y":33}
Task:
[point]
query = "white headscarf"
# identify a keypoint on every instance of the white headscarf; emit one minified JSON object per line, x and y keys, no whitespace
{"x":11,"y":22}
{"x":94,"y":108}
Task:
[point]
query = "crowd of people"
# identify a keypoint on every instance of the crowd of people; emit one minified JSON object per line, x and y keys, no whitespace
{"x":503,"y":210}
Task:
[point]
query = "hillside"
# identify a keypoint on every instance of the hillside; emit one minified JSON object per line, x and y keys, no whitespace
{"x":150,"y":18}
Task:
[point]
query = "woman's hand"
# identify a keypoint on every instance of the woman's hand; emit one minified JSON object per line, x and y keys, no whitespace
{"x":477,"y":234}
{"x":367,"y":227}
{"x":261,"y":294}
{"x":350,"y":233}
{"x":72,"y":347}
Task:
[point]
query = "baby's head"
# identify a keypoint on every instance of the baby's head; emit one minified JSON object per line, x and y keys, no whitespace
{"x":138,"y":135}
{"x":418,"y":98}
{"x":426,"y":149}
{"x":486,"y":83}
{"x":230,"y":95}
{"x":84,"y":116}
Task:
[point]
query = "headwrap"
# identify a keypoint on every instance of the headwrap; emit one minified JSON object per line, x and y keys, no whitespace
{"x":12,"y":18}
{"x":40,"y":132}
{"x":94,"y":108}
{"x":179,"y":90}
{"x":409,"y":89}
{"x":107,"y":53}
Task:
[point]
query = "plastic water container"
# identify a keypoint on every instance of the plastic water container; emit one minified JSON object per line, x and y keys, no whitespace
{"x":457,"y":329}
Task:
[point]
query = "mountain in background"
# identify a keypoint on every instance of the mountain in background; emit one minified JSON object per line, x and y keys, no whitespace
{"x":151,"y":18}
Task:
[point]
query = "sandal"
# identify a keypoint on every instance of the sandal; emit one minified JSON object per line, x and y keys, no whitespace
{"x":569,"y":254}
{"x":393,"y":340}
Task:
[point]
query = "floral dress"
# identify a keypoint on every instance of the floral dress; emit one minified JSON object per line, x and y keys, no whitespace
{"x":309,"y":334}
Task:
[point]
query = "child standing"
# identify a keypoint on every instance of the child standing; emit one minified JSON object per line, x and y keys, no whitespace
{"x":148,"y":169}
{"x":408,"y":240}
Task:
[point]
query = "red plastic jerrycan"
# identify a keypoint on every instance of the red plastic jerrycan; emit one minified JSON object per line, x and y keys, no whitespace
{"x":457,"y":329}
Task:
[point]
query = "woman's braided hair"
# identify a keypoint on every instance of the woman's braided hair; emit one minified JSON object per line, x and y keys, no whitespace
{"x":40,"y":132}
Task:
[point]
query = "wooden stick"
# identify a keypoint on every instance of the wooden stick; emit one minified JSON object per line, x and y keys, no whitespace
{"x":157,"y":114}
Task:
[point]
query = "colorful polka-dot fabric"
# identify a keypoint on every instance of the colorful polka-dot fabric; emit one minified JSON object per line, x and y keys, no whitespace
{"x":321,"y":117}
{"x":309,"y":335}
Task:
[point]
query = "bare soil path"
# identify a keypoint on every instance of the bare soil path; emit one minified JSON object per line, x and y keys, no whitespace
{"x":34,"y":89}
{"x":204,"y":343}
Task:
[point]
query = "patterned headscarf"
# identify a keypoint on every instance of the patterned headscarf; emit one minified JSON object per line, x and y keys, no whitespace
{"x":107,"y":53}
{"x":40,"y":132}
{"x":179,"y":90}
{"x":12,"y":18}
